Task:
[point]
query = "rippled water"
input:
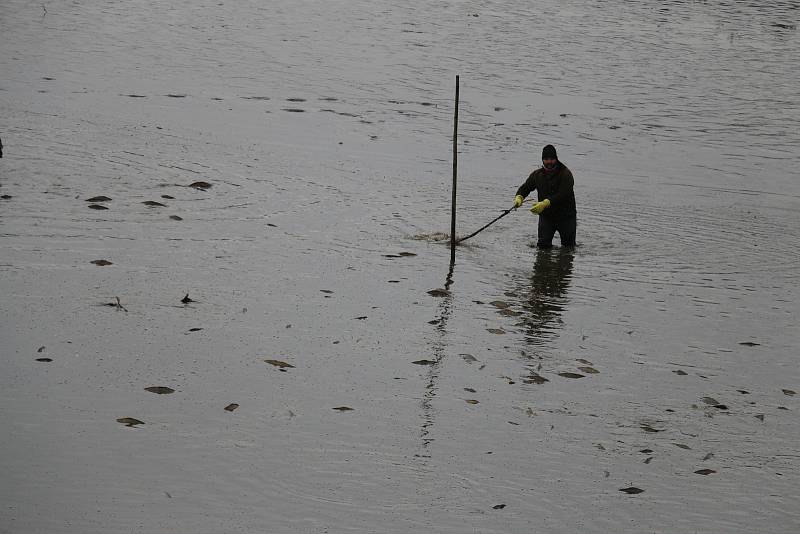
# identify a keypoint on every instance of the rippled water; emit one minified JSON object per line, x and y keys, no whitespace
{"x":325,"y":131}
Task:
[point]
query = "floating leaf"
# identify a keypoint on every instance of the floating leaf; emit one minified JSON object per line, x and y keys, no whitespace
{"x":98,"y":199}
{"x":749,"y":344}
{"x":470,"y":390}
{"x":509,"y":313}
{"x":407,"y":254}
{"x":680,"y":372}
{"x":153,"y":203}
{"x":471,"y":401}
{"x":360,"y":318}
{"x":646,"y":451}
{"x":571,"y":375}
{"x":176,"y":217}
{"x":101,"y":263}
{"x":129,"y":421}
{"x":743,"y":391}
{"x":280,"y":364}
{"x":95,"y":206}
{"x":168,"y":197}
{"x":682,"y":446}
{"x":535,"y":378}
{"x":200,"y":185}
{"x":326,"y":291}
{"x":705,"y":471}
{"x":710,"y":400}
{"x":44,"y":359}
{"x":632,"y":490}
{"x":581,"y":360}
{"x":498,"y":506}
{"x":343,"y":409}
{"x":589,"y":370}
{"x":720,"y":406}
{"x":789,"y":392}
{"x":161,"y":390}
{"x":439,"y":293}
{"x":498,"y":331}
{"x":196,"y":329}
{"x":469,"y":358}
{"x":232,"y":406}
{"x":500,"y":304}
{"x":760,"y":416}
{"x":424,"y":362}
{"x":648,"y":428}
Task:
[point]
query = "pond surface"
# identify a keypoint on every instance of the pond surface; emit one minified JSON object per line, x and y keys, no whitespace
{"x":249,"y":337}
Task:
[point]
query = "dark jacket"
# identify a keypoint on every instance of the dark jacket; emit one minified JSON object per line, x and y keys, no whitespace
{"x":556,"y":186}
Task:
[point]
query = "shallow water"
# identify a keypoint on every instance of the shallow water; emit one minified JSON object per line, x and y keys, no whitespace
{"x":324,"y":129}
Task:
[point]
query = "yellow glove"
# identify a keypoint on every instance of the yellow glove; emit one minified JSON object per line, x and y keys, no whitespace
{"x":518,"y":201}
{"x":539,"y":207}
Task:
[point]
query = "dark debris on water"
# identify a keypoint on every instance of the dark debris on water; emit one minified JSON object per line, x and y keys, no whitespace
{"x":281,"y":365}
{"x":161,"y":390}
{"x":571,"y":375}
{"x":129,"y":421}
{"x":705,"y":472}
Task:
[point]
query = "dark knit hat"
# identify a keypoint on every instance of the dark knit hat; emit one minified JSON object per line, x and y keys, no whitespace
{"x":549,"y":152}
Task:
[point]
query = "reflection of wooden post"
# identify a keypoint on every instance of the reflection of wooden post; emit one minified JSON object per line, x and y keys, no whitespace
{"x":455,"y":174}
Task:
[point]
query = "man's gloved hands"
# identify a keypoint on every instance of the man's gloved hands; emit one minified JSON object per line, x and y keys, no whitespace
{"x":539,"y":207}
{"x":518,"y":201}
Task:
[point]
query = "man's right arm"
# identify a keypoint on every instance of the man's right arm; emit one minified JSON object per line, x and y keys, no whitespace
{"x":526,"y":188}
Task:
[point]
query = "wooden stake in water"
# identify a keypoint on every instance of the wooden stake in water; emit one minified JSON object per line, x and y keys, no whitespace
{"x":455,"y":180}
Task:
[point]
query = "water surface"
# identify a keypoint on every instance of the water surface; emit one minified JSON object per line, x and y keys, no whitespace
{"x":324,"y":131}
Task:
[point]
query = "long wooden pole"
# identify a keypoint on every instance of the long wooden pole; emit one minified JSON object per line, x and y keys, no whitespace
{"x":455,"y":180}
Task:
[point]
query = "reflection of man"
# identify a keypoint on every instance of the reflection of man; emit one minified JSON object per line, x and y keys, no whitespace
{"x":553,"y":183}
{"x":551,"y":276}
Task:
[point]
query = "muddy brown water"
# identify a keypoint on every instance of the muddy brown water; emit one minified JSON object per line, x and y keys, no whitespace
{"x":320,"y":238}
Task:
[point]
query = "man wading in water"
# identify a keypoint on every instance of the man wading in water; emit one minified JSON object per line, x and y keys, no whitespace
{"x":556,"y":206}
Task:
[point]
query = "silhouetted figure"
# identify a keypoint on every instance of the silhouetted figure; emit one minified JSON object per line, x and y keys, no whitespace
{"x":554,"y":185}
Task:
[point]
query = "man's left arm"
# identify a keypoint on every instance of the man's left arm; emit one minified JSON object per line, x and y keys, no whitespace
{"x":565,"y":186}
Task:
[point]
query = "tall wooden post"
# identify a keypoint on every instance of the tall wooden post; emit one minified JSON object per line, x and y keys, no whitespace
{"x":455,"y":180}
